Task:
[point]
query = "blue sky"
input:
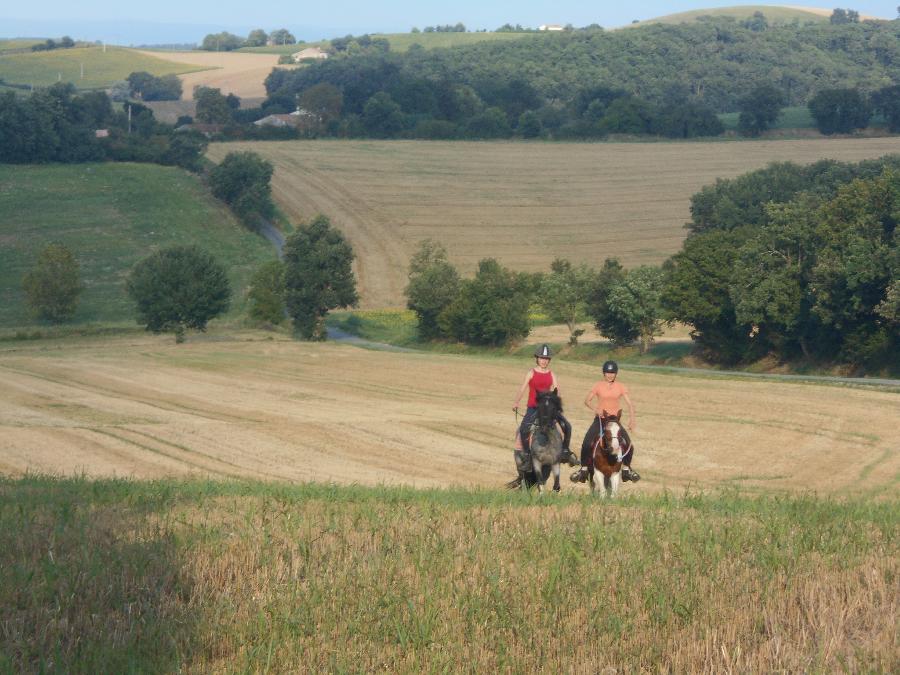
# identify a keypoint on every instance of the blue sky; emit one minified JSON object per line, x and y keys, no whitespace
{"x":188,"y":21}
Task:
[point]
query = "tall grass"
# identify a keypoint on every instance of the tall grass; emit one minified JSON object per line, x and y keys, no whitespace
{"x":248,"y":577}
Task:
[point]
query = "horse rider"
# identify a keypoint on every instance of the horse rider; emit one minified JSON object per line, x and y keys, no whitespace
{"x":541,"y":378}
{"x":607,"y":393}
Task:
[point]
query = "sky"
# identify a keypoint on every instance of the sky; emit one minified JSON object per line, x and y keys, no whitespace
{"x":163,"y":21}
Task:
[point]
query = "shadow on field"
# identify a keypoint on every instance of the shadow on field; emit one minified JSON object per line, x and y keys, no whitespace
{"x":90,"y":581}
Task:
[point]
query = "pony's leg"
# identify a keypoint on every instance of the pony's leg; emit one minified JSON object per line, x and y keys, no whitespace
{"x":607,"y":484}
{"x":592,"y":476}
{"x":615,"y":480}
{"x":556,"y":477}
{"x":538,"y":475}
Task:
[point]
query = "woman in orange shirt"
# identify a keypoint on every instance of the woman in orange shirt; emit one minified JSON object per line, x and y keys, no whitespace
{"x":607,"y":393}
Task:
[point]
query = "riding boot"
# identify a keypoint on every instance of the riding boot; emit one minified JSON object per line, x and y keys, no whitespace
{"x":581,"y":475}
{"x":629,"y":475}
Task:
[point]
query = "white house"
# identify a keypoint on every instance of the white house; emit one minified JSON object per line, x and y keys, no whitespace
{"x":551,"y":26}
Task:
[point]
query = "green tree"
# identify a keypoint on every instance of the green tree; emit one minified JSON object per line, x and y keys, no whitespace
{"x":318,"y":276}
{"x":563,"y":294}
{"x":840,"y":111}
{"x":212,"y":106}
{"x":257,"y":38}
{"x":266,"y":293}
{"x":491,"y":123}
{"x":759,"y":109}
{"x":243,"y":181}
{"x":323,"y":100}
{"x":52,"y":287}
{"x":221,"y":42}
{"x":634,"y":306}
{"x":382,"y":116}
{"x":282,"y":36}
{"x":887,"y":101}
{"x":433,"y":285}
{"x":611,"y":274}
{"x":178,"y":288}
{"x":697,"y":293}
{"x":491,"y":309}
{"x":530,"y":124}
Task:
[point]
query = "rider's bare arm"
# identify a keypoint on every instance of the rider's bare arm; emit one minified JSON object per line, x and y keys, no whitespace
{"x":522,"y":390}
{"x":555,"y":385}
{"x":632,"y":425}
{"x":587,"y":401}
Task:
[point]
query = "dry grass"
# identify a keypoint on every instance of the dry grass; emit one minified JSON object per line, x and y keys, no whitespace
{"x":264,"y":407}
{"x":523,"y":203}
{"x":234,"y":73}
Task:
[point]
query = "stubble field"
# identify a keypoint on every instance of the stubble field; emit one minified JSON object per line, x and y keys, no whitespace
{"x":523,"y":203}
{"x":262,"y":407}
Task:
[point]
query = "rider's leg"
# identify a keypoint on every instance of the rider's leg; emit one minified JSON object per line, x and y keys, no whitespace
{"x":525,"y":429}
{"x":587,"y":447}
{"x":627,"y":472}
{"x":567,"y":439}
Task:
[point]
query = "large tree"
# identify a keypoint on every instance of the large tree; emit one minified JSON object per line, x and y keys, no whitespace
{"x":840,"y":111}
{"x":760,"y":109}
{"x":635,"y":302}
{"x":318,"y":276}
{"x":178,"y":288}
{"x":52,"y":287}
{"x":212,"y":106}
{"x":433,"y":285}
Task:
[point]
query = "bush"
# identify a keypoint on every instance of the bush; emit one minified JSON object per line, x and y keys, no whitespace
{"x":491,"y":309}
{"x":433,"y":285}
{"x":53,"y":286}
{"x":242,"y":181}
{"x":266,"y":294}
{"x":178,"y":288}
{"x":759,"y":109}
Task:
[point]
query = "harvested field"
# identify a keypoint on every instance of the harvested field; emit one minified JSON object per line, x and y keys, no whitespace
{"x":240,"y":74}
{"x":523,"y":203}
{"x":261,"y":406}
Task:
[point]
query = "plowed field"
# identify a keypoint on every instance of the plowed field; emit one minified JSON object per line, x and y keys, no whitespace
{"x":523,"y":203}
{"x":263,"y":407}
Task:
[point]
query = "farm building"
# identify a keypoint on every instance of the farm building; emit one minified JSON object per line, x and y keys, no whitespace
{"x":310,"y":53}
{"x":551,"y":27}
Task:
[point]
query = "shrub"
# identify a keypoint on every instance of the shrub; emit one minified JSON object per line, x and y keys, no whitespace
{"x":53,"y":286}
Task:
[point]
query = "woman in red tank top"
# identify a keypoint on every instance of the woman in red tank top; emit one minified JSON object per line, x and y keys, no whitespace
{"x":541,"y":378}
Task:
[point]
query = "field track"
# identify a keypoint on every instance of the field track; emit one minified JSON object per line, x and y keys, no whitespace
{"x":266,"y":407}
{"x":523,"y":203}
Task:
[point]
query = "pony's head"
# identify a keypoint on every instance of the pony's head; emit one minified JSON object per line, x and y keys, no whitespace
{"x":548,"y":405}
{"x":611,"y":429}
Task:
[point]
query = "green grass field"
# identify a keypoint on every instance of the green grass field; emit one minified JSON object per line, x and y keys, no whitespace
{"x":19,"y":43}
{"x":110,"y":216}
{"x":195,"y":577}
{"x":101,"y":69}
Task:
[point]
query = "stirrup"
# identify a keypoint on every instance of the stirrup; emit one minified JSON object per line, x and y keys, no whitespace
{"x":580,"y":476}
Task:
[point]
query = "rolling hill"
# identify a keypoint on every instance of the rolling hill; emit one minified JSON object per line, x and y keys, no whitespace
{"x":775,"y":14}
{"x":523,"y":203}
{"x":111,"y":216}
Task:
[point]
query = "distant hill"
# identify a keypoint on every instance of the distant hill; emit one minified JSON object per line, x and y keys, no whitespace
{"x":774,"y":14}
{"x":401,"y":42}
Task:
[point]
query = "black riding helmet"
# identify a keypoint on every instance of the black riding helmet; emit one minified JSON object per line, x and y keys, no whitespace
{"x":543,"y":352}
{"x":610,"y":367}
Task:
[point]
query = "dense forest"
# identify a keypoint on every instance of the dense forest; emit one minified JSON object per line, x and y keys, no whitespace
{"x":564,"y":82}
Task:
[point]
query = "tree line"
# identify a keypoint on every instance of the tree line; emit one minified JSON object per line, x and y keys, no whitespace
{"x":714,"y":63}
{"x":227,"y":42}
{"x":801,"y":263}
{"x":58,"y":124}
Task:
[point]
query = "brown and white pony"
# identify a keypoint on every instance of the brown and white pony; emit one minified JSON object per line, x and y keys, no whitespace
{"x":609,"y":450}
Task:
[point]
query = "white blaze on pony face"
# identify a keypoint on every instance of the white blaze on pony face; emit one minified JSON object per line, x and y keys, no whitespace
{"x":614,"y":429}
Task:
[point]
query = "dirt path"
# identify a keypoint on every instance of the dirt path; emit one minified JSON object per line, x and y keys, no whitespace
{"x":263,"y":406}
